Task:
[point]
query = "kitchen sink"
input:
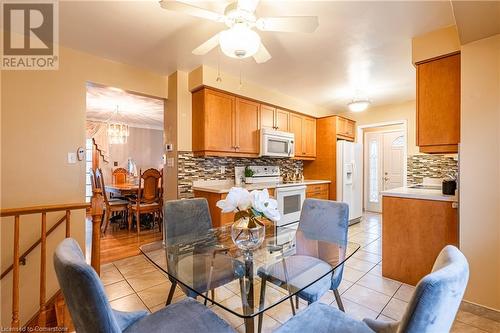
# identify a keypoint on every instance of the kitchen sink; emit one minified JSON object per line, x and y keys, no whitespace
{"x":426,"y":187}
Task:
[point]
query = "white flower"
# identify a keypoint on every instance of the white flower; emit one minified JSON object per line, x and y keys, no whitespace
{"x":262,"y":203}
{"x":237,"y":199}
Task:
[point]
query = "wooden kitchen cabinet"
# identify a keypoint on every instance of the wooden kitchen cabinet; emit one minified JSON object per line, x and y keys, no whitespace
{"x":345,"y":128}
{"x":438,"y":105}
{"x":282,"y":120}
{"x":246,"y":127}
{"x":414,"y":232}
{"x":224,"y":125}
{"x":274,"y":118}
{"x":318,"y":191}
{"x":304,"y":128}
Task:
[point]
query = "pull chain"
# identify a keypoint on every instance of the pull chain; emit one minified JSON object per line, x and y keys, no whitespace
{"x":219,"y":78}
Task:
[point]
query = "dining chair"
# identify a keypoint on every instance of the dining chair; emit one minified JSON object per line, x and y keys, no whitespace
{"x":119,"y":176}
{"x":432,"y":308}
{"x":189,"y":219}
{"x":111,"y":205}
{"x":91,"y":311}
{"x":149,"y":200}
{"x":321,"y":220}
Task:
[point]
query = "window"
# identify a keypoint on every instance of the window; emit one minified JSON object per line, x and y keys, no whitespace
{"x":89,"y":145}
{"x":398,"y":142}
{"x":373,"y":171}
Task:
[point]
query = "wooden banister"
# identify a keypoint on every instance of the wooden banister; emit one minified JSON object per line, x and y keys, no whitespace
{"x":22,"y":258}
{"x":96,"y":209}
{"x":40,"y":209}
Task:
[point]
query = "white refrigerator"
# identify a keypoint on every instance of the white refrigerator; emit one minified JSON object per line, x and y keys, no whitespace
{"x":350,"y":177}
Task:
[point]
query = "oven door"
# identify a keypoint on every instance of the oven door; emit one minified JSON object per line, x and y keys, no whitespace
{"x":277,"y":146}
{"x":290,"y":200}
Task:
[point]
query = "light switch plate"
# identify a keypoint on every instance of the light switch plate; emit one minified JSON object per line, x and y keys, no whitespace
{"x":169,"y":147}
{"x":72,"y":158}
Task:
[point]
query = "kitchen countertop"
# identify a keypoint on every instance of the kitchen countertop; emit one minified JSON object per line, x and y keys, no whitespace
{"x":218,"y":186}
{"x":419,"y":193}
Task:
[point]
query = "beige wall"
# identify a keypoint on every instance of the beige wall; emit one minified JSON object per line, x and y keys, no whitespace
{"x":435,"y":44}
{"x":480,"y":169}
{"x":389,"y":113}
{"x":144,"y":146}
{"x":205,"y":75}
{"x":43,"y":118}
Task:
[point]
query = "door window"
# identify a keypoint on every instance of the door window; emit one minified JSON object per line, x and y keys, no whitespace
{"x":373,"y":171}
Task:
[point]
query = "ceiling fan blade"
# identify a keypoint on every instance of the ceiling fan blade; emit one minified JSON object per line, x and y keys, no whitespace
{"x":248,"y":5}
{"x":191,"y":10}
{"x":262,"y":55}
{"x":288,"y":23}
{"x":207,"y":46}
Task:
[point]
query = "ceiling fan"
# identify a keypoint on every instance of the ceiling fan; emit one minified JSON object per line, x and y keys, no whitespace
{"x":240,"y":39}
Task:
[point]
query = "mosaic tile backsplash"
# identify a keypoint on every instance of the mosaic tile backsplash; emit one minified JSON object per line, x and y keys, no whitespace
{"x":191,"y":168}
{"x":434,"y":166}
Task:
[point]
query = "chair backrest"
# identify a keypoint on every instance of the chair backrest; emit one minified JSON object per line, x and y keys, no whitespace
{"x":99,"y":183}
{"x":185,"y":217}
{"x":119,"y":176}
{"x":150,"y":186}
{"x":83,"y":291}
{"x":436,"y":299}
{"x":328,"y":221}
{"x":325,"y":220}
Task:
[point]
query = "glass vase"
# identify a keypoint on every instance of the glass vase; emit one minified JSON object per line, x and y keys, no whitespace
{"x":245,"y":238}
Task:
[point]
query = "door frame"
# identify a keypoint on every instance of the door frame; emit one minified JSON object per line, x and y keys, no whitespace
{"x":361,"y":138}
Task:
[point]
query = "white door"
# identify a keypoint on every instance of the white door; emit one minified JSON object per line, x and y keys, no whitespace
{"x":393,"y":160}
{"x":384,"y":161}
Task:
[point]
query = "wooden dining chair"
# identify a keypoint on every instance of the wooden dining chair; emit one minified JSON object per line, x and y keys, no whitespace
{"x":119,"y":176}
{"x":112,"y":206}
{"x":149,"y":200}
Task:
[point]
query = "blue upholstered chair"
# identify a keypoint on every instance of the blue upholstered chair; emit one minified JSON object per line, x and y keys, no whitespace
{"x":92,"y":313}
{"x":319,"y":220}
{"x":185,"y":220}
{"x":432,"y":308}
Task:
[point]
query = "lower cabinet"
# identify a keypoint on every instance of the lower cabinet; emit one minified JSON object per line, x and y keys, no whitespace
{"x":317,"y":191}
{"x":414,"y":233}
{"x":218,"y":218}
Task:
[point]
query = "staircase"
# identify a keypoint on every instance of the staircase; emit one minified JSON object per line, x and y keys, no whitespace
{"x":49,"y":305}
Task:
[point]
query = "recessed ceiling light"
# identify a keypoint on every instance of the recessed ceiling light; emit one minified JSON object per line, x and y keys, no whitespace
{"x":358,"y":105}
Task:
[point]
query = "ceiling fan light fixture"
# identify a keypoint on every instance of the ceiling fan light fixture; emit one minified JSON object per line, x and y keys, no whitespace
{"x":359,"y":105}
{"x":239,"y":41}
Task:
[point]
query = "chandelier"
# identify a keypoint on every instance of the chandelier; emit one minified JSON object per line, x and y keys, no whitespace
{"x":117,"y":130}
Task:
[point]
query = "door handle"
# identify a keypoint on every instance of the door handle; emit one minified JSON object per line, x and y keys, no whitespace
{"x":385,"y":178}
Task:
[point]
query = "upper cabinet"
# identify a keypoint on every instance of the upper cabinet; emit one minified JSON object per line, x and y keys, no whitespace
{"x":275,"y":118}
{"x":228,"y":125}
{"x":304,"y":128}
{"x":345,"y":128}
{"x":246,"y":127}
{"x":224,"y":125}
{"x":438,"y":105}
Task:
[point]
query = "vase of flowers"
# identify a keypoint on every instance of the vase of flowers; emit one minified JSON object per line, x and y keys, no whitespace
{"x":248,"y":231}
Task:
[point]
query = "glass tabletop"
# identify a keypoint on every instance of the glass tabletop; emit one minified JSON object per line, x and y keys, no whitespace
{"x":287,"y":262}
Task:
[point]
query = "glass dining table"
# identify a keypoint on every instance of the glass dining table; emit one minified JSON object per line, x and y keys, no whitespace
{"x":288,"y":261}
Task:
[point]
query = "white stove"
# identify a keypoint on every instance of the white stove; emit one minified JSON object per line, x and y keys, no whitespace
{"x":265,"y":174}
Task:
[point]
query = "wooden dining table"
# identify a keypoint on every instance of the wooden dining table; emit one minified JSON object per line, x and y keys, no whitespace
{"x":122,"y":189}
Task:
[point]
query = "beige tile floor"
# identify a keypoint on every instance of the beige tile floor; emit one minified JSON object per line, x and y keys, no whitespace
{"x":135,"y":284}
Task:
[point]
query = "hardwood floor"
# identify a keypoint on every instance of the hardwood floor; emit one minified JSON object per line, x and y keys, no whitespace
{"x":119,"y":244}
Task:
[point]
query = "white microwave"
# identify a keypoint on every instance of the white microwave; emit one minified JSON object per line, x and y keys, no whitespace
{"x":276,"y":143}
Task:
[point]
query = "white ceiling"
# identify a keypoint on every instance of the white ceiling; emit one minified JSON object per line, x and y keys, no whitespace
{"x":361,"y":48}
{"x":134,"y":110}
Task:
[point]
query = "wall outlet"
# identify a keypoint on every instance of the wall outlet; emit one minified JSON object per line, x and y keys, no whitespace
{"x":222,"y":169}
{"x":170,"y":162}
